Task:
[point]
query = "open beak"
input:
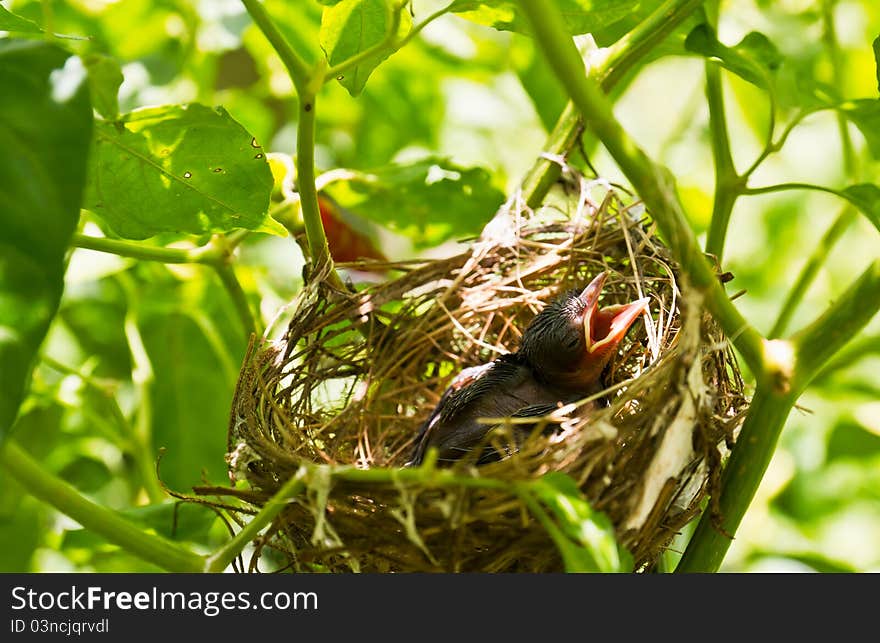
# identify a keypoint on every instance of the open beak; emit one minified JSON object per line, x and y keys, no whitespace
{"x":605,"y":328}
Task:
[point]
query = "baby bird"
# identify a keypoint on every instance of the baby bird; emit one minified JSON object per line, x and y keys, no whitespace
{"x":560,"y":360}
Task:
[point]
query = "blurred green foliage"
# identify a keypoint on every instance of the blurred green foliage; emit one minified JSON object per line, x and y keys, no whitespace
{"x":143,"y":356}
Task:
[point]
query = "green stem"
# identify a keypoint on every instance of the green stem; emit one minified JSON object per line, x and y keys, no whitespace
{"x":771,"y":147}
{"x":622,"y":56}
{"x":811,"y":269}
{"x":239,"y":298}
{"x":216,"y":254}
{"x":307,"y":84}
{"x":544,"y":173}
{"x":105,"y":522}
{"x":742,"y":475}
{"x":142,"y":377}
{"x":784,"y":187}
{"x":380,"y":47}
{"x":849,"y":355}
{"x":653,"y":183}
{"x":726,"y":179}
{"x":415,"y":31}
{"x":220,"y":560}
{"x":207,"y":254}
{"x":322,"y":262}
{"x":808,"y":352}
{"x":633,"y":46}
{"x":296,"y":67}
{"x":425,"y":474}
{"x":819,"y":341}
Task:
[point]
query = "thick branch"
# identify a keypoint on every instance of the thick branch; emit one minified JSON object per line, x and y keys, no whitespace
{"x":296,"y":67}
{"x":742,"y":475}
{"x":725,"y":173}
{"x":818,"y":342}
{"x":652,"y":182}
{"x":104,"y":522}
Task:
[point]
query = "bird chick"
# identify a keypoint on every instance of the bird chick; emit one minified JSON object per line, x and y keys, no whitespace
{"x":560,"y":360}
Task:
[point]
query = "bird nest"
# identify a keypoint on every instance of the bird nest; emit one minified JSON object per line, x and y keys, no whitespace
{"x":339,"y":397}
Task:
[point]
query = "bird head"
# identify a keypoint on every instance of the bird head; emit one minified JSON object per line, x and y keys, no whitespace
{"x":569,"y":342}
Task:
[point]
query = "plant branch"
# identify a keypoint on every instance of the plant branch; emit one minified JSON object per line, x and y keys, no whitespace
{"x":771,"y":147}
{"x":819,"y":341}
{"x":415,"y":31}
{"x":621,"y":57}
{"x":545,"y":172}
{"x":726,"y":179}
{"x":322,"y":262}
{"x":633,"y":46}
{"x":806,"y":355}
{"x":105,"y":522}
{"x":860,"y":348}
{"x":742,"y":475}
{"x":307,"y":84}
{"x":296,"y":67}
{"x":239,"y":298}
{"x":206,"y":254}
{"x":653,"y":183}
{"x":784,"y":187}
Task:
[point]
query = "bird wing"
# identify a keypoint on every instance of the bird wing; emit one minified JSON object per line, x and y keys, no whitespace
{"x":466,"y":387}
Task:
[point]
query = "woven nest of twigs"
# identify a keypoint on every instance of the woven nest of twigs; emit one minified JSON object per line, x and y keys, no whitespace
{"x":353,"y":376}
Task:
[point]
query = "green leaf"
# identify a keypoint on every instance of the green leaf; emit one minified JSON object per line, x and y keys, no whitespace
{"x":11,"y":22}
{"x":593,"y":546}
{"x":429,"y":201}
{"x":866,"y":197}
{"x":754,"y":58}
{"x":849,"y":439}
{"x":865,"y":114}
{"x":177,"y":168}
{"x":352,"y":26}
{"x":45,"y":127}
{"x":606,"y":20}
{"x":105,"y":77}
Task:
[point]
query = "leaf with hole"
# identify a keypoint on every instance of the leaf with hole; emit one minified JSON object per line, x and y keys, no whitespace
{"x":178,"y":168}
{"x":350,"y":27}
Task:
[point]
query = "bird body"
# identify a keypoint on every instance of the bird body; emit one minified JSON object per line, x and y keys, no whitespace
{"x":563,"y":352}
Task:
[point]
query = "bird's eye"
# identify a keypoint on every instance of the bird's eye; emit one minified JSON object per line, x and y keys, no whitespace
{"x":571,"y":341}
